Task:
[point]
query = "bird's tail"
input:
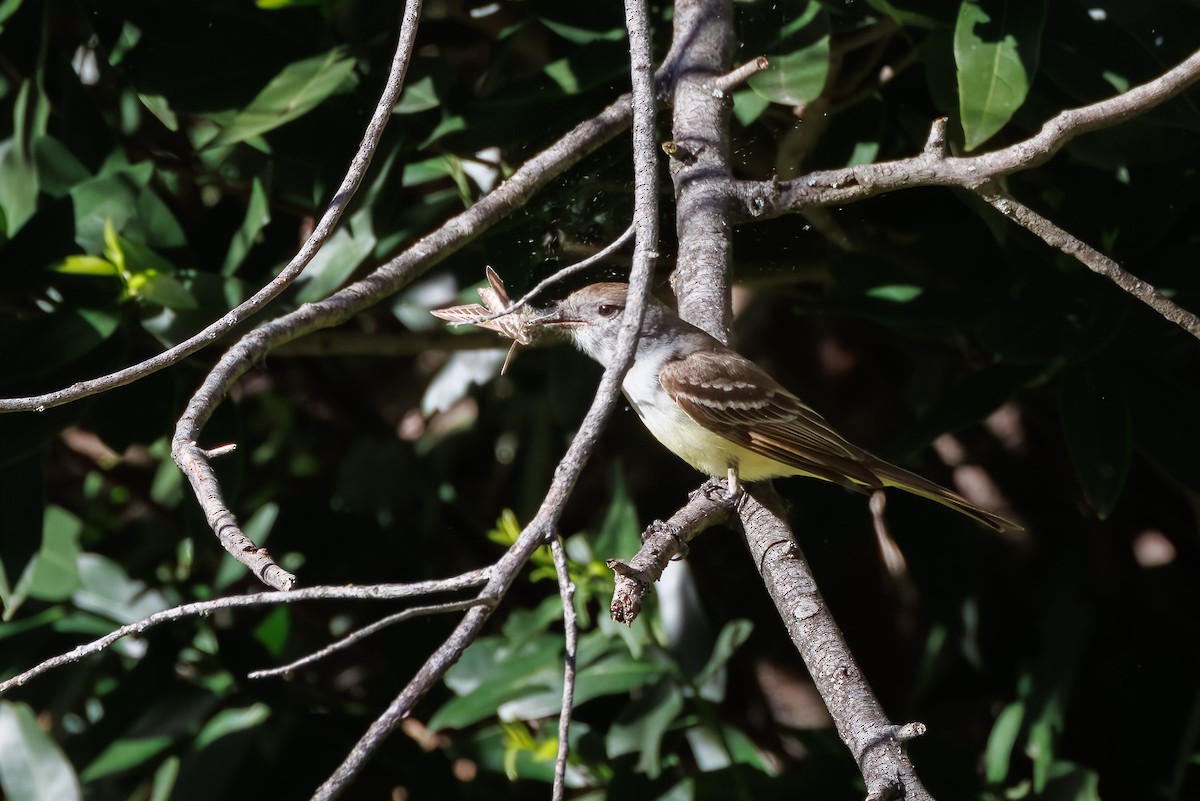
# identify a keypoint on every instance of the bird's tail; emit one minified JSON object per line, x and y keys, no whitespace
{"x":898,"y":477}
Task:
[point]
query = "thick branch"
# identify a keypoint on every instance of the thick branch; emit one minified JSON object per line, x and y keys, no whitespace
{"x":876,"y":743}
{"x":662,"y":542}
{"x":700,"y":163}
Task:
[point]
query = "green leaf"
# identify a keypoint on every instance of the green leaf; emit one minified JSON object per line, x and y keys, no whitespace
{"x":44,"y":618}
{"x":450,"y":124}
{"x":490,"y":674}
{"x":732,"y":636}
{"x":7,"y":9}
{"x":748,"y":106}
{"x":996,"y":46}
{"x":228,"y":721}
{"x":1098,"y":431}
{"x":106,"y":590}
{"x":258,"y":214}
{"x":32,"y":767}
{"x":337,"y":259}
{"x":86,"y":265}
{"x":214,"y":295}
{"x":798,"y":76}
{"x":1002,"y":740}
{"x":124,"y":198}
{"x":579,"y":36}
{"x":615,"y":675}
{"x":1040,"y":748}
{"x":55,"y":573}
{"x":123,"y":754}
{"x":903,"y":16}
{"x":294,"y":92}
{"x":517,"y":678}
{"x":419,"y":95}
{"x":165,"y":777}
{"x":160,"y":107}
{"x":1070,"y":782}
{"x":273,"y":631}
{"x":620,"y":533}
{"x":47,"y":343}
{"x":58,"y":168}
{"x":897,"y":293}
{"x":563,"y":73}
{"x":640,"y":727}
{"x":432,"y":169}
{"x":168,"y":291}
{"x":19,"y":189}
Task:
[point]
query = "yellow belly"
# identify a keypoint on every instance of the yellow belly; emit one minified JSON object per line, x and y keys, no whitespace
{"x":707,"y":452}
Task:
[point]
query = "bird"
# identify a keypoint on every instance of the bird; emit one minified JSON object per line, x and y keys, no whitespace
{"x":722,"y":413}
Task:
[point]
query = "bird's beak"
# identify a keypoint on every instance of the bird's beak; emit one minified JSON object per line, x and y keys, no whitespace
{"x":555,"y":318}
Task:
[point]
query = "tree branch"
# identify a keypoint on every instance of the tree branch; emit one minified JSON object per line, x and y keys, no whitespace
{"x":371,"y":592}
{"x":701,"y":284}
{"x":358,"y":635}
{"x":566,"y":590}
{"x":1088,"y":256}
{"x":700,"y":163}
{"x":764,"y":199}
{"x":662,"y":542}
{"x":877,"y":744}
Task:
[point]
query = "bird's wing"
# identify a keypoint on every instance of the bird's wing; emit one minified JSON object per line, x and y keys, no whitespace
{"x":733,"y":397}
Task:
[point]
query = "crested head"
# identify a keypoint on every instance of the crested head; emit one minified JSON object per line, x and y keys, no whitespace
{"x":592,"y":317}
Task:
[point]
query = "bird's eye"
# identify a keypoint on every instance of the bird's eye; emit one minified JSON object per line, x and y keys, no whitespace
{"x":607,"y":309}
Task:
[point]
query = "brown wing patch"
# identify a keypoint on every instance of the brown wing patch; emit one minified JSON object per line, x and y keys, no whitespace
{"x":731,"y":396}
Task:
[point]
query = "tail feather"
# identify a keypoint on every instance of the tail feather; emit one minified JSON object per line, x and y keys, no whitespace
{"x":898,"y":477}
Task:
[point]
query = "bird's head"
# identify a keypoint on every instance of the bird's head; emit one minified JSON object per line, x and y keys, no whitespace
{"x":590,"y":317}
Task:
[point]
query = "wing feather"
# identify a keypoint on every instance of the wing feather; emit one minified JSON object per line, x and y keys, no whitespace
{"x":731,"y":396}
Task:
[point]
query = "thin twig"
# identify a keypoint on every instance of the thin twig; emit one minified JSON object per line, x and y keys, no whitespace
{"x":565,"y":272}
{"x":1088,"y":256}
{"x":739,"y":75}
{"x":359,"y":635}
{"x":371,"y":592}
{"x":566,"y":591}
{"x":324,"y":227}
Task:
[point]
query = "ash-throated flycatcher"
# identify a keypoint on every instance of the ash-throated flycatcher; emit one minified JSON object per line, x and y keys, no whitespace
{"x":720,"y":412}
